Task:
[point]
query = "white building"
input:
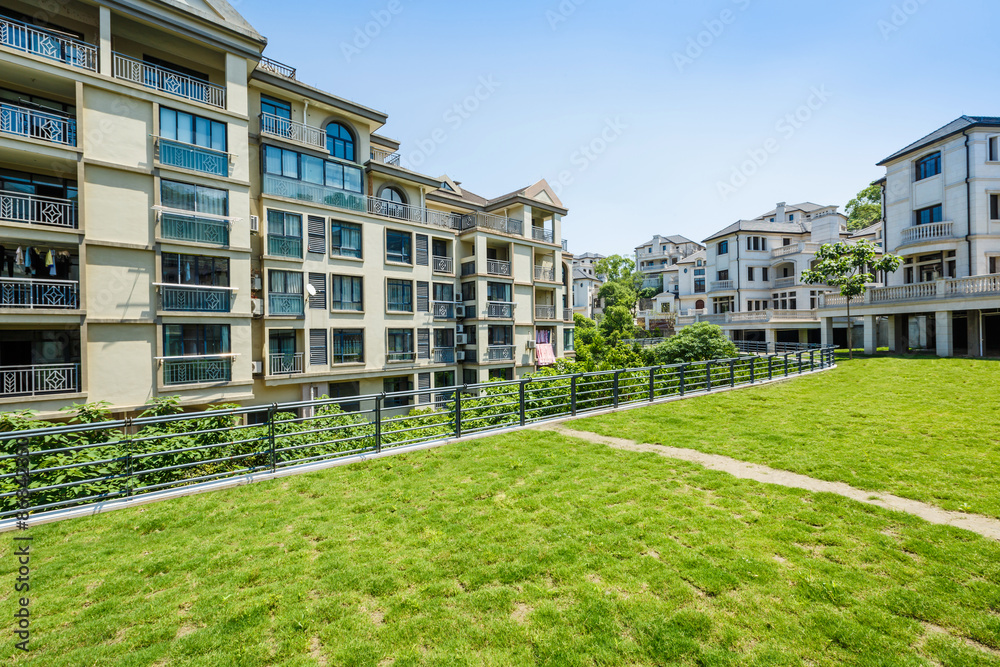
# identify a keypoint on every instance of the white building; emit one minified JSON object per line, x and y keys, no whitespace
{"x":658,"y":260}
{"x":586,"y":284}
{"x":941,"y":202}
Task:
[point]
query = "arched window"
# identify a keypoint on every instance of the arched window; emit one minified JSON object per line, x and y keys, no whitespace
{"x":393,"y":195}
{"x":340,"y":142}
{"x":396,"y":202}
{"x":699,"y":305}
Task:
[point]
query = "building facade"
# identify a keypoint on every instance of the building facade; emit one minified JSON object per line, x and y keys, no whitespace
{"x":181,"y":216}
{"x":658,"y":260}
{"x":586,"y":285}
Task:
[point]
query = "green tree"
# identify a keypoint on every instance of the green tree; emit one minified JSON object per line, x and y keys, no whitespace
{"x":865,"y":209}
{"x":618,"y":322}
{"x":698,"y":342}
{"x":849,"y":267}
{"x":622,"y":283}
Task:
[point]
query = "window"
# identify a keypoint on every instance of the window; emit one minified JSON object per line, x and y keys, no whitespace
{"x":348,"y":346}
{"x":791,"y":217}
{"x":468,"y":291}
{"x":723,"y":305}
{"x":750,"y":273}
{"x":399,"y":296}
{"x":287,"y":225}
{"x":470,"y":376}
{"x":195,"y":270}
{"x":723,"y":275}
{"x":285,"y":282}
{"x":397,"y":385}
{"x":196,"y":198}
{"x":723,"y":248}
{"x":346,"y":293}
{"x":568,"y":339}
{"x":928,"y":215}
{"x":318,"y":282}
{"x":699,"y":285}
{"x":503,"y":374}
{"x":444,"y":339}
{"x":195,"y":340}
{"x":274,"y":107}
{"x":317,"y":347}
{"x":190,"y":129}
{"x":928,"y":166}
{"x":289,"y":164}
{"x":756,"y":243}
{"x":345,"y":239}
{"x":500,"y":335}
{"x":444,"y":292}
{"x":317,"y":234}
{"x":994,"y":265}
{"x":340,"y":142}
{"x":498,"y":292}
{"x":35,"y":184}
{"x":398,"y":246}
{"x":399,"y":345}
{"x":994,"y":149}
{"x":994,"y":207}
{"x":764,"y":274}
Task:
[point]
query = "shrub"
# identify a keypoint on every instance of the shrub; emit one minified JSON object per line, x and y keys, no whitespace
{"x":698,"y":342}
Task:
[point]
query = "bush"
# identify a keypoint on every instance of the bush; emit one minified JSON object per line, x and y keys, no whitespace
{"x":698,"y":342}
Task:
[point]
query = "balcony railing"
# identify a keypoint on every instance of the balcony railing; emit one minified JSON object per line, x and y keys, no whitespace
{"x":784,"y":282}
{"x":168,"y":81}
{"x":500,"y":353}
{"x":443,"y":310}
{"x":542,"y":234}
{"x":545,"y":273}
{"x":29,"y":39}
{"x":184,"y":227}
{"x":500,"y":310}
{"x":492,"y":222}
{"x":196,"y":299}
{"x":198,"y":370}
{"x":444,"y":355}
{"x":930,"y":231}
{"x":385,"y":157}
{"x":27,"y":122}
{"x":443,"y":264}
{"x":498,"y":267}
{"x":948,"y":288}
{"x":401,"y":357}
{"x":40,"y":294}
{"x":284,"y":246}
{"x":397,"y":211}
{"x":565,"y":245}
{"x":39,"y":380}
{"x":188,"y":156}
{"x":282,"y":128}
{"x":274,"y":67}
{"x":545,"y":312}
{"x":654,"y":283}
{"x":316,"y":194}
{"x":722,"y":285}
{"x":567,"y":314}
{"x":287,"y":364}
{"x":284,"y":305}
{"x":32,"y":209}
{"x":774,"y":316}
{"x":794,"y":249}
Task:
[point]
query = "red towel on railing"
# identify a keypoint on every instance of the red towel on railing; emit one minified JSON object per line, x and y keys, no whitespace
{"x":545,"y":355}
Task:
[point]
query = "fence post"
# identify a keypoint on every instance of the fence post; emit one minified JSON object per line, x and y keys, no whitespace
{"x":753,"y":370}
{"x":23,"y":467}
{"x":800,"y":362}
{"x":520,"y":393}
{"x":681,"y":386}
{"x":615,"y":388}
{"x":272,"y":412}
{"x":458,"y":411}
{"x":652,"y":384}
{"x":128,"y":457}
{"x":732,"y":372}
{"x":378,"y":422}
{"x":572,"y":395}
{"x":812,"y":361}
{"x":708,"y":376}
{"x":786,"y":364}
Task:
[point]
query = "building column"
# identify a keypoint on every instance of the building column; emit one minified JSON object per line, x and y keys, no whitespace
{"x":770,"y":337}
{"x":975,"y":333}
{"x":943,"y":334}
{"x":804,"y":336}
{"x":899,"y":334}
{"x":871,"y":334}
{"x":104,"y":50}
{"x":826,"y":331}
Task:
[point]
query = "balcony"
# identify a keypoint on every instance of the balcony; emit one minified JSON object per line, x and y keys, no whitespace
{"x":190,"y":227}
{"x":385,"y":157}
{"x":545,"y":273}
{"x":197,"y":370}
{"x":290,"y":130}
{"x":443,"y":310}
{"x":443,"y":264}
{"x":468,"y":269}
{"x":794,"y":249}
{"x":444,"y":355}
{"x":565,"y":245}
{"x":38,"y":42}
{"x":397,"y":211}
{"x":500,"y":310}
{"x":723,"y":285}
{"x":931,"y":231}
{"x":284,"y":246}
{"x":35,"y":210}
{"x":168,"y":81}
{"x":542,"y":234}
{"x":286,"y":305}
{"x":39,"y":294}
{"x":31,"y":123}
{"x":567,"y":314}
{"x":774,"y":316}
{"x":490,"y":222}
{"x":401,"y":357}
{"x":948,"y":288}
{"x":545,"y":312}
{"x":653,"y":283}
{"x":188,"y":156}
{"x":195,"y":298}
{"x":39,"y":380}
{"x":780,"y":283}
{"x":498,"y":267}
{"x":274,"y":67}
{"x":287,"y":364}
{"x":291,"y":188}
{"x":500,"y":353}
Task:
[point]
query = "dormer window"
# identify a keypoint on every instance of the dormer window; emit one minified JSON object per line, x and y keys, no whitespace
{"x":928,"y":166}
{"x":340,"y":142}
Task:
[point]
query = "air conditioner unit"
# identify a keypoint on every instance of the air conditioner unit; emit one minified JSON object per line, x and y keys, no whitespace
{"x":460,"y":356}
{"x":257,"y":367}
{"x":460,"y":328}
{"x":459,"y":299}
{"x":257,"y":307}
{"x":532,"y":345}
{"x":461,"y":339}
{"x":254,"y":224}
{"x":460,"y":312}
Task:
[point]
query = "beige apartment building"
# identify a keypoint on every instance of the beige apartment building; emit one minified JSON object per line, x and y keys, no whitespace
{"x":180,"y":216}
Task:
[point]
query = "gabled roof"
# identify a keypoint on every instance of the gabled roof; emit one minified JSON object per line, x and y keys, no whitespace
{"x":580,"y":274}
{"x":219,"y":12}
{"x":676,"y":239}
{"x":764,"y":226}
{"x":805,"y":207}
{"x":956,"y":126}
{"x":541,"y":193}
{"x":693,"y":257}
{"x":455,"y":192}
{"x":589,"y":255}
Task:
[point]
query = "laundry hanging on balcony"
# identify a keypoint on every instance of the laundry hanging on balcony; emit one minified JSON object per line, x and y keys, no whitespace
{"x":545,"y":355}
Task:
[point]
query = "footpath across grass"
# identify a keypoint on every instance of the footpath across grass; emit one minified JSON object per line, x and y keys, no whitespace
{"x":526,"y":549}
{"x":926,"y":429}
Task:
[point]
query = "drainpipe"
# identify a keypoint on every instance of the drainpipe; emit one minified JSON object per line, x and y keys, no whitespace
{"x":968,"y":198}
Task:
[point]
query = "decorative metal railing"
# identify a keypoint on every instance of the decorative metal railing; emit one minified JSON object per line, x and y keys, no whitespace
{"x":443,"y":310}
{"x":195,"y":298}
{"x":498,"y":267}
{"x":39,"y":294}
{"x":545,"y":312}
{"x":567,"y":314}
{"x":34,"y":124}
{"x":286,"y":304}
{"x":182,"y":227}
{"x":39,"y":380}
{"x":443,"y":264}
{"x":444,"y":355}
{"x":32,"y":209}
{"x":316,"y":194}
{"x":189,"y":156}
{"x":282,"y":128}
{"x":114,"y":462}
{"x":168,"y":81}
{"x":284,"y":246}
{"x":273,"y":66}
{"x":385,"y":157}
{"x":542,"y":234}
{"x":197,"y":370}
{"x":47,"y":44}
{"x":545,"y":273}
{"x":500,"y":310}
{"x":400,"y":357}
{"x":500,"y":353}
{"x":287,"y":364}
{"x":930,"y":231}
{"x":492,"y":222}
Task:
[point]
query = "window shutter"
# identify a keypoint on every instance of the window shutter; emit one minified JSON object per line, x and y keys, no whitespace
{"x":317,"y":234}
{"x":423,"y":297}
{"x":423,"y":258}
{"x":317,"y":347}
{"x":423,"y":383}
{"x":423,"y":343}
{"x":318,"y":281}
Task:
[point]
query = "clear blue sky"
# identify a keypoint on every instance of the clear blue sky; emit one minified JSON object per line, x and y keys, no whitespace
{"x":886,"y":71}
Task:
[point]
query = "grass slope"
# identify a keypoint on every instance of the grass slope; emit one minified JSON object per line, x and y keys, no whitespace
{"x":524,"y":549}
{"x":927,"y":429}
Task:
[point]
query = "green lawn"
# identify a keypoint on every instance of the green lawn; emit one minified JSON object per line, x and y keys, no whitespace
{"x":517,"y":550}
{"x":927,"y":429}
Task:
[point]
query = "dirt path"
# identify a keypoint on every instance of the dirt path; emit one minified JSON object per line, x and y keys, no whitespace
{"x":982,"y":525}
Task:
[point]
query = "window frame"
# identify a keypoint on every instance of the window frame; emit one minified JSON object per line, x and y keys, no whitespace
{"x":336,"y":278}
{"x":405,"y":255}
{"x":402,"y":282}
{"x":722,"y":248}
{"x":337,"y":338}
{"x":337,"y":228}
{"x":920,"y":170}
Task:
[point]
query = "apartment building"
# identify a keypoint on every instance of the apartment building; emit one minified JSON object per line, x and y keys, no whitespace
{"x":586,"y":285}
{"x":658,"y":261}
{"x":941,"y":206}
{"x":180,"y":216}
{"x":749,"y":278}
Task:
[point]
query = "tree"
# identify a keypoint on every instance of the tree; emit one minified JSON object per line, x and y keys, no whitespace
{"x":617,"y":323}
{"x":849,"y":267}
{"x":865,"y":209}
{"x":698,"y":342}
{"x":622,"y":283}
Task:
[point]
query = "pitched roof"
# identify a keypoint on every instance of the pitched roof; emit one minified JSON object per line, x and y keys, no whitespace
{"x":805,"y":207}
{"x":676,"y":239}
{"x":219,"y":12}
{"x":693,"y":257}
{"x":589,"y":255}
{"x":956,"y":126}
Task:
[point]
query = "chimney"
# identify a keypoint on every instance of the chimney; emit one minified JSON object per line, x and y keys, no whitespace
{"x":779,"y":215}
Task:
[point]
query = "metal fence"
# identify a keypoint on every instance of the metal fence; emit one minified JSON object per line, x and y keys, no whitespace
{"x":84,"y":464}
